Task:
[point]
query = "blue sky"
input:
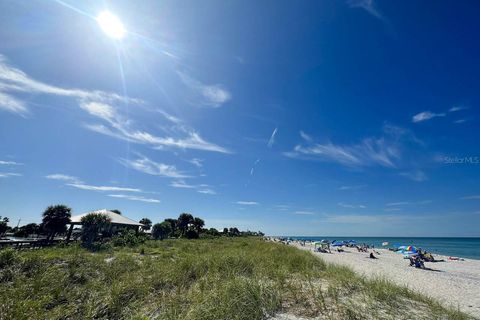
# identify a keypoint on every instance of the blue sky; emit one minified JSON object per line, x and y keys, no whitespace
{"x":295,"y":118}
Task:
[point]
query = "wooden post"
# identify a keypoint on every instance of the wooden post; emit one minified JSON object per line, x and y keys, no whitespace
{"x":70,"y":230}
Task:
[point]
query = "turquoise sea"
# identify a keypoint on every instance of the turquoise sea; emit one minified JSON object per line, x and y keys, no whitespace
{"x":459,"y":247}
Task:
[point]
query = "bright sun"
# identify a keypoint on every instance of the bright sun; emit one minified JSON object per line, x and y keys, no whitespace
{"x":111,"y":25}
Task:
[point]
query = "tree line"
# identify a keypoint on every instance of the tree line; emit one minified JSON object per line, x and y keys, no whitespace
{"x":96,"y":227}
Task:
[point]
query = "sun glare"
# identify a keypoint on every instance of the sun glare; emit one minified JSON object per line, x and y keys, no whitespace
{"x":111,"y":25}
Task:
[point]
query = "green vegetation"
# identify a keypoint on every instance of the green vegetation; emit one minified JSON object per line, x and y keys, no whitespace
{"x":230,"y":278}
{"x":55,"y":219}
{"x":3,"y":225}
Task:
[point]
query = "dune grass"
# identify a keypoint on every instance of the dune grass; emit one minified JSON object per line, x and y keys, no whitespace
{"x":225,"y":278}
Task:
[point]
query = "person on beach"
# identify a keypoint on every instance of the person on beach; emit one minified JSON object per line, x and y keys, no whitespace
{"x":372,"y":256}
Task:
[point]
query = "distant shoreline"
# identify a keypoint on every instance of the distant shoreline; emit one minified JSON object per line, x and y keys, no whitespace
{"x":463,"y":247}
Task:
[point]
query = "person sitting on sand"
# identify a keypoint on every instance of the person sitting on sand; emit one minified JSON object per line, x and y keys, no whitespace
{"x":372,"y":256}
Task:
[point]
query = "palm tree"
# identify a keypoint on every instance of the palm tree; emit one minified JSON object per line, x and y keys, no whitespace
{"x":147,"y":224}
{"x":198,"y":224}
{"x":161,"y":230}
{"x":55,"y":219}
{"x":184,"y":221}
{"x":173,"y":225}
{"x":92,"y":225}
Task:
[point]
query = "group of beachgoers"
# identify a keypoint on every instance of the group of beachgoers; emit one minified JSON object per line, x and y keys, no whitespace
{"x":416,"y":256}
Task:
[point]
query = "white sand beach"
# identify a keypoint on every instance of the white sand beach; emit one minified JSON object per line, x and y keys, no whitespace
{"x":454,"y":283}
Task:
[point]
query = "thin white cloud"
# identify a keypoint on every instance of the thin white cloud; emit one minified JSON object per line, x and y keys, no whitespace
{"x":368,"y":6}
{"x":405,"y":203}
{"x":102,"y":188}
{"x":151,"y":167}
{"x":305,"y":136}
{"x":351,"y":206}
{"x":384,"y":151}
{"x":206,"y":95}
{"x":182,"y":184}
{"x":426,"y":115}
{"x":460,"y":121}
{"x":64,"y":177}
{"x":474,"y":197}
{"x":282,"y":207}
{"x":201,"y":188}
{"x":343,"y":188}
{"x":134,"y":198}
{"x":247,"y":203}
{"x":11,"y":104}
{"x":271,"y":141}
{"x":457,"y":108}
{"x":100,"y":110}
{"x":252,"y":170}
{"x":416,"y":175}
{"x":401,"y":203}
{"x":10,"y":163}
{"x":306,"y":213}
{"x":9,"y":174}
{"x":197,"y":162}
{"x":206,"y":191}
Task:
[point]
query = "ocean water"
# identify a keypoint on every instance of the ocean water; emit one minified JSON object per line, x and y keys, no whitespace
{"x":458,"y":247}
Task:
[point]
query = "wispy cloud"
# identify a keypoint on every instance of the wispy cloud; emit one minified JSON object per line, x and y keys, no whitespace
{"x":426,"y":115}
{"x":200,"y":188}
{"x":351,"y":206}
{"x":368,"y":6}
{"x":9,"y":174}
{"x":64,"y":177}
{"x":356,"y":187}
{"x":197,"y":162}
{"x":15,"y":80}
{"x":282,"y":207}
{"x":102,"y":188}
{"x":457,"y":108}
{"x":252,"y":170}
{"x":10,"y":163}
{"x":206,"y":191}
{"x":11,"y":104}
{"x":134,"y":198}
{"x":247,"y":203}
{"x":106,"y":106}
{"x":151,"y":167}
{"x":416,"y":175}
{"x":306,"y":213}
{"x":214,"y":95}
{"x":384,"y":151}
{"x":271,"y":141}
{"x":474,"y":197}
{"x":406,"y":203}
{"x":401,"y":203}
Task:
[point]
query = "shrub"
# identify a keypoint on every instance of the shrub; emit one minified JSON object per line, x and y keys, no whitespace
{"x":128,"y":238}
